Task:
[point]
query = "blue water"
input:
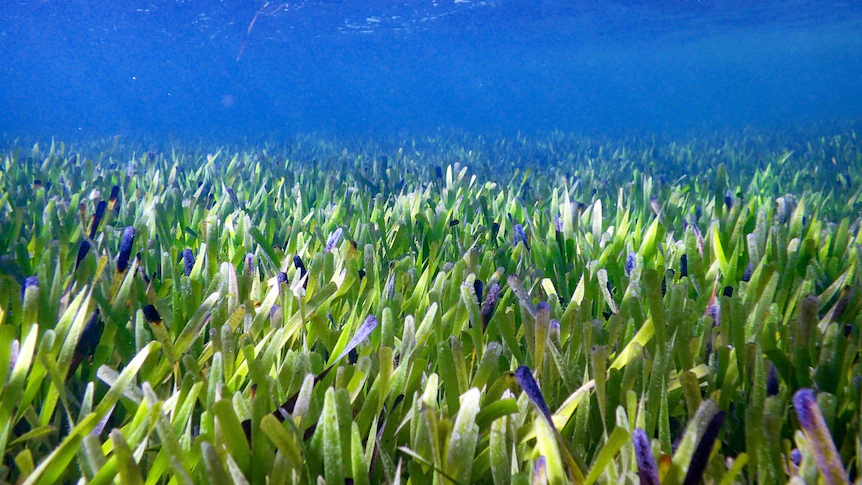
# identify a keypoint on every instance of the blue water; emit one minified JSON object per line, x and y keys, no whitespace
{"x":170,"y":68}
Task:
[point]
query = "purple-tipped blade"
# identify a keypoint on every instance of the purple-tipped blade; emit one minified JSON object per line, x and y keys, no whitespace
{"x":333,"y":240}
{"x":281,"y":277}
{"x":188,"y":261}
{"x":746,"y":276}
{"x":298,"y":264}
{"x":520,"y":236}
{"x":490,"y":303}
{"x":125,"y":248}
{"x":478,"y":286}
{"x":631,"y":261}
{"x":250,"y":263}
{"x":82,"y":253}
{"x":540,"y":471}
{"x":97,"y":218}
{"x":701,"y":455}
{"x":152,"y":315}
{"x":819,"y":438}
{"x":529,"y":385}
{"x":647,"y":469}
{"x":364,"y":331}
{"x":30,"y":281}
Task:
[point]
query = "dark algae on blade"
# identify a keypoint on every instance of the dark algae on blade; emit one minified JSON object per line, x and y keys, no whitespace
{"x":125,"y":249}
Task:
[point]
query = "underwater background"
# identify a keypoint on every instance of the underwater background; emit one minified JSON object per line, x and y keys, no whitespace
{"x":198,"y":70}
{"x":431,"y":242}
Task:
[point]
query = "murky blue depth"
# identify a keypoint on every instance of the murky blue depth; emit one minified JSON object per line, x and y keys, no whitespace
{"x":172,"y":68}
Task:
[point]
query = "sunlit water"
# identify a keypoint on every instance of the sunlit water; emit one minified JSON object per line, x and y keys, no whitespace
{"x":196,"y":70}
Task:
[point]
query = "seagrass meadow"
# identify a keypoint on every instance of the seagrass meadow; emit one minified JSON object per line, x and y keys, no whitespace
{"x":446,"y":309}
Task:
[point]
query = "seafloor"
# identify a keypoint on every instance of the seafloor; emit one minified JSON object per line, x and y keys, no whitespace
{"x":442,"y":309}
